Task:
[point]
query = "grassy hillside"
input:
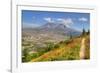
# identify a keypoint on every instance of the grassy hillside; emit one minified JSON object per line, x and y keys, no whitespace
{"x":66,"y":50}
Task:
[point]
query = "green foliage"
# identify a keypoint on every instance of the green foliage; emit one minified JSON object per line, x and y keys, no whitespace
{"x":74,"y":53}
{"x":50,"y":46}
{"x":61,"y":42}
{"x":87,"y":48}
{"x":67,"y":41}
{"x":25,"y":55}
{"x":70,"y":54}
{"x":56,"y":46}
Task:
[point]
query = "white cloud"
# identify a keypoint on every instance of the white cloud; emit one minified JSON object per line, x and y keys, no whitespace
{"x":67,"y":22}
{"x":48,"y":19}
{"x":83,"y":19}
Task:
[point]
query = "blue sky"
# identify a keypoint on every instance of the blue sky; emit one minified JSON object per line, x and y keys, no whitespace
{"x":74,"y":20}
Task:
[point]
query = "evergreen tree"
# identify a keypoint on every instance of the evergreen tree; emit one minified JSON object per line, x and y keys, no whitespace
{"x":70,"y":35}
{"x":83,"y":32}
{"x":88,"y":32}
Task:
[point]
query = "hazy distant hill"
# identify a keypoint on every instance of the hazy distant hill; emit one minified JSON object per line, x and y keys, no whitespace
{"x":50,"y":31}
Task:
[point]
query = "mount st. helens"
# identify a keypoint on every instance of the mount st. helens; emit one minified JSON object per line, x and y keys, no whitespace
{"x":49,"y":32}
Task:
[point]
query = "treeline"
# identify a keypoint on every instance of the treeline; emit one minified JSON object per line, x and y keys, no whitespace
{"x":84,"y":32}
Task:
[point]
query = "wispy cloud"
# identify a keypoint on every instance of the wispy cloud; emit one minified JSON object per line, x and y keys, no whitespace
{"x":83,"y":19}
{"x":67,"y":22}
{"x":48,"y":19}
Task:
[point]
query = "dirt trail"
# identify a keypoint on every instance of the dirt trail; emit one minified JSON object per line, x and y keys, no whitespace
{"x":82,"y":49}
